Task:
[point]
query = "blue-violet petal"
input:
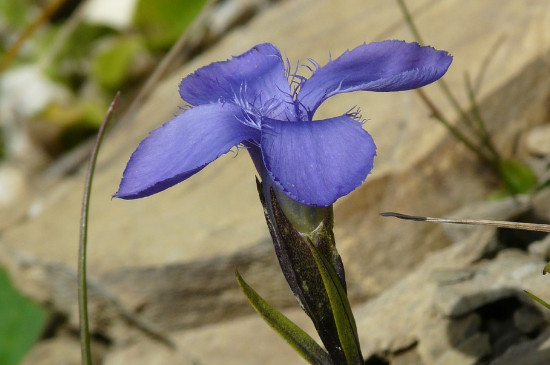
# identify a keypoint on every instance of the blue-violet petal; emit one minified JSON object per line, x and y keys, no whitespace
{"x":379,"y":66}
{"x":183,"y":147}
{"x":256,"y":77}
{"x":315,"y":163}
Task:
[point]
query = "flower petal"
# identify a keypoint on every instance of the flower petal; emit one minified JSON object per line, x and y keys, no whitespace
{"x":317,"y":162}
{"x":256,"y":77}
{"x":183,"y":147}
{"x":378,"y":66}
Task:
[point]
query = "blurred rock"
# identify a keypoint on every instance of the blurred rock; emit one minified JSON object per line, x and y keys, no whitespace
{"x":528,"y":320}
{"x":407,"y":309}
{"x":534,"y":352}
{"x":492,"y":281}
{"x":459,"y":322}
{"x":538,"y":141}
{"x":115,"y":14}
{"x":436,"y":338}
{"x":14,"y":195}
{"x":541,"y":204}
{"x":409,"y":357}
{"x":12,"y":185}
{"x":56,"y":351}
{"x":227,"y":14}
{"x":24,"y":92}
{"x":498,"y":210}
{"x":541,"y":248}
{"x":488,"y":315}
{"x":248,"y":336}
{"x":468,"y":352}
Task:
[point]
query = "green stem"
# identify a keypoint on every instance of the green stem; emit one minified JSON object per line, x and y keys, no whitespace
{"x":436,"y":113}
{"x":485,"y":136}
{"x":416,"y":34}
{"x":408,"y":18}
{"x":493,"y":157}
{"x":83,"y":242}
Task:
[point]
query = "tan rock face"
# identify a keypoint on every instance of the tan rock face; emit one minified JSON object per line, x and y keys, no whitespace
{"x":171,"y":257}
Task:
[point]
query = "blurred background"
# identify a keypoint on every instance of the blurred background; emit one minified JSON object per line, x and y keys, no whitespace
{"x":165,"y":265}
{"x":61,"y":64}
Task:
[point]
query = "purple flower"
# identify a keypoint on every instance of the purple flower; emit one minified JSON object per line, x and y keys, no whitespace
{"x":253,"y":101}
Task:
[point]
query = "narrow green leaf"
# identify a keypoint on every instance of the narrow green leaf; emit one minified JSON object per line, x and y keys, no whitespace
{"x":537,"y":299}
{"x":341,"y":309}
{"x":297,"y":338}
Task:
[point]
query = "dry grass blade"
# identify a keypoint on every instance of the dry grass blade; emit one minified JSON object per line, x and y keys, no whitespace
{"x":474,"y":222}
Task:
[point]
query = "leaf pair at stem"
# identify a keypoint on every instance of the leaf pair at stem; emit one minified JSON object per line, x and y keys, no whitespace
{"x":315,"y":274}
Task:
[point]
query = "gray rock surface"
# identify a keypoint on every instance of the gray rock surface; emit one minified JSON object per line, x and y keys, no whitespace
{"x":458,"y":322}
{"x":534,"y":352}
{"x":61,"y":350}
{"x":538,"y":141}
{"x":249,"y":336}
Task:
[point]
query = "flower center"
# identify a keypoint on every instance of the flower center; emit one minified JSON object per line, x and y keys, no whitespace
{"x":255,"y":107}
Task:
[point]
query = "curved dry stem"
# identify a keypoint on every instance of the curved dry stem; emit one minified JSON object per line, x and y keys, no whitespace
{"x":83,"y":242}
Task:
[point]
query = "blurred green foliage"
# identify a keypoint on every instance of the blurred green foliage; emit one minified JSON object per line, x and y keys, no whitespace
{"x":163,"y":21}
{"x":92,"y":61}
{"x":519,"y":177}
{"x":70,"y":65}
{"x":110,"y":66}
{"x":14,"y":13}
{"x":21,"y":322}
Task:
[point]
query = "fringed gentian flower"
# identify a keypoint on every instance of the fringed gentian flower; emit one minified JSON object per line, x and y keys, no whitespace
{"x":253,"y":101}
{"x":305,"y":165}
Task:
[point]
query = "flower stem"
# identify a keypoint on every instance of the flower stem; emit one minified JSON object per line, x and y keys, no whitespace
{"x":416,"y":34}
{"x":486,"y":138}
{"x":83,"y":242}
{"x":475,"y":124}
{"x":437,"y":114}
{"x":408,"y":18}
